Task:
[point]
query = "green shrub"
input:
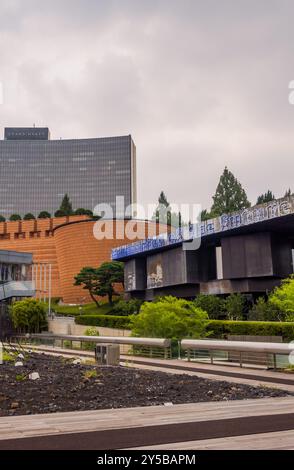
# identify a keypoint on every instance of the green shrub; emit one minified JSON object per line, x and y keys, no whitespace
{"x":108,"y":321}
{"x":130,"y":307}
{"x":2,"y":218}
{"x":264,"y":311}
{"x":59,"y":213}
{"x":282,"y":298}
{"x":90,"y":346}
{"x":234,"y":306}
{"x":14,"y":217}
{"x":44,"y":215}
{"x":29,"y":216}
{"x":169,"y":317}
{"x":212,"y":304}
{"x":82,"y":211}
{"x":29,"y":315}
{"x":222,"y":328}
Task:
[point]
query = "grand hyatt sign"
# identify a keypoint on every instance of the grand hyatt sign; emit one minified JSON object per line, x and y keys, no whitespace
{"x":268,"y":211}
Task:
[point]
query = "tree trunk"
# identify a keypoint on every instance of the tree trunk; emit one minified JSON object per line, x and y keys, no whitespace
{"x":93,"y":298}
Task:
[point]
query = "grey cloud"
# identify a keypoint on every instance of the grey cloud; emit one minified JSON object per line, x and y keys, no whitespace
{"x":200,"y":85}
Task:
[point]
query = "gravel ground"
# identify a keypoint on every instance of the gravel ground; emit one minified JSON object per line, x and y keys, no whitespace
{"x":64,"y":386}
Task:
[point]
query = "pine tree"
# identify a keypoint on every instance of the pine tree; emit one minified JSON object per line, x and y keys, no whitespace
{"x":163,"y":200}
{"x":288,"y":193}
{"x":164,"y":215}
{"x":229,"y":195}
{"x":66,"y":206}
{"x":266,"y":197}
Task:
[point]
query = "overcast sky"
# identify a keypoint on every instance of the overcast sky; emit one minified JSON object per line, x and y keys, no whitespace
{"x":198,"y":84}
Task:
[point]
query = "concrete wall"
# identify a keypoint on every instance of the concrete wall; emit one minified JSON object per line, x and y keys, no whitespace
{"x":68,"y":244}
{"x":67,"y":326}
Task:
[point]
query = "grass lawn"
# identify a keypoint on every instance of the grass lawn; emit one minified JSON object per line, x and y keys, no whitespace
{"x":87,"y":309}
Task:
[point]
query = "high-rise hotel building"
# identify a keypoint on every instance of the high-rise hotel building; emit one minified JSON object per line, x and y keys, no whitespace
{"x":36,"y":172}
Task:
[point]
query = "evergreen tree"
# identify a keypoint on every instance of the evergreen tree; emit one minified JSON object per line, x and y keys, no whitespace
{"x":266,"y":197}
{"x":14,"y":217}
{"x":164,"y":215}
{"x":288,"y":193}
{"x":229,"y":195}
{"x":205,"y":215}
{"x":162,"y":212}
{"x":29,"y":216}
{"x":44,"y":215}
{"x":66,"y":206}
{"x":163,"y":200}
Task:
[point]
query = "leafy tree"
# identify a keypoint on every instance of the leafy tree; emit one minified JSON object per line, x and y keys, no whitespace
{"x":169,"y":317}
{"x":212,"y":304}
{"x":14,"y":217}
{"x":88,"y":279}
{"x":44,"y":215}
{"x":66,"y":205}
{"x":130,"y":307}
{"x":282,"y":298}
{"x":234,"y":306}
{"x":229,"y":195}
{"x":29,"y":216}
{"x":29,"y":315}
{"x":163,"y":213}
{"x":109,"y":274}
{"x":2,"y":218}
{"x":90,"y":332}
{"x":263,"y":311}
{"x":266,"y":197}
{"x":101,"y":281}
{"x":59,"y":213}
{"x":163,"y":200}
{"x":82,"y":211}
{"x":288,"y":193}
{"x":205,"y":215}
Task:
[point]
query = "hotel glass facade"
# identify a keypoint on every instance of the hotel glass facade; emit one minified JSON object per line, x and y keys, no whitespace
{"x":35,"y":174}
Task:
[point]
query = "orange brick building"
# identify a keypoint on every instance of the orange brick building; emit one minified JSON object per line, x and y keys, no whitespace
{"x":68,"y":244}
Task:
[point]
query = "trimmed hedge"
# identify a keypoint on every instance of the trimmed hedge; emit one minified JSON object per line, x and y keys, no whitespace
{"x":223,"y":328}
{"x":108,"y":321}
{"x":218,"y":328}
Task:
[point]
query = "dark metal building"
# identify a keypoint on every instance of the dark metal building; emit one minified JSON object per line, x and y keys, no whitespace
{"x":36,"y":172}
{"x":249,"y":252}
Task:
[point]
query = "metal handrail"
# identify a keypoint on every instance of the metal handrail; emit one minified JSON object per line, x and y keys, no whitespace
{"x":238,"y":346}
{"x":159,"y":342}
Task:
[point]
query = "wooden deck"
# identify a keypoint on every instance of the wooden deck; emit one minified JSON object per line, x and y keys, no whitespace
{"x":16,"y":430}
{"x":283,"y":440}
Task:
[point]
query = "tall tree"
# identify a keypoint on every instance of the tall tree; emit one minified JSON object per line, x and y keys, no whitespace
{"x":101,"y":281}
{"x":288,"y":193}
{"x":163,"y":200}
{"x":164,"y":215}
{"x":88,"y":279}
{"x":66,"y":205}
{"x":109,"y":274}
{"x":229,"y":195}
{"x":162,"y":212}
{"x":266,"y":197}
